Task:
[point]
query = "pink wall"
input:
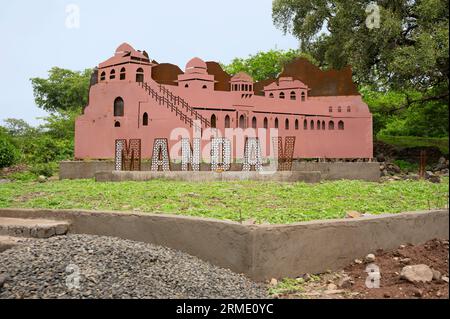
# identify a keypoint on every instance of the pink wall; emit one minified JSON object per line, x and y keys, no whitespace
{"x":96,"y":133}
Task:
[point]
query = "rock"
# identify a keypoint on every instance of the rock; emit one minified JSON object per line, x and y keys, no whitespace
{"x":429,"y":174}
{"x":42,"y":179}
{"x":4,"y":181}
{"x":417,"y":273}
{"x":387,"y":295}
{"x":345,"y":282}
{"x":405,"y":261}
{"x":353,"y":214}
{"x":381,"y":158}
{"x":436,"y":275}
{"x":418,"y":292}
{"x":435,"y":179}
{"x":370,"y":258}
{"x":3,"y":279}
{"x":394,"y":169}
{"x":445,"y":278}
{"x":331,"y":287}
{"x":249,"y":222}
{"x":306,"y":277}
{"x":273,"y":282}
{"x":358,"y":261}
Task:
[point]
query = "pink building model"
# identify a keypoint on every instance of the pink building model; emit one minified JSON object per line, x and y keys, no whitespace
{"x":133,"y":97}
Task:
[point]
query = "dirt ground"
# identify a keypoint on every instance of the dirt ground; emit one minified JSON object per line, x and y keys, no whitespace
{"x":350,"y":282}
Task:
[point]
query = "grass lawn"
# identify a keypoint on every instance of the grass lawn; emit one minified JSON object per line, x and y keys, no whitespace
{"x":275,"y":203}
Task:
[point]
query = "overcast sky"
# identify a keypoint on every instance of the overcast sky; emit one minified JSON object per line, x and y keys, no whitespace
{"x":37,"y":35}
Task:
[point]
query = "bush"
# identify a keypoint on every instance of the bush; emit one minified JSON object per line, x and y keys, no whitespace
{"x":8,"y":152}
{"x":47,"y":169}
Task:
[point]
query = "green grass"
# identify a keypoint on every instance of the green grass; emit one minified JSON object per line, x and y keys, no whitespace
{"x":413,"y":141}
{"x":266,"y":202}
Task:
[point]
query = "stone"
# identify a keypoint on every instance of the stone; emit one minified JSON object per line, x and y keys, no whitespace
{"x":42,"y":179}
{"x":381,"y":158}
{"x":358,"y":261}
{"x":249,"y":222}
{"x":3,"y":279}
{"x":306,"y":277}
{"x":370,"y":258}
{"x":445,"y":278}
{"x":418,"y":293}
{"x":436,"y":275}
{"x":273,"y":282}
{"x":345,"y":282}
{"x":417,"y":273}
{"x":4,"y":181}
{"x":331,"y":287}
{"x":405,"y":261}
{"x":353,"y":214}
{"x":435,"y":179}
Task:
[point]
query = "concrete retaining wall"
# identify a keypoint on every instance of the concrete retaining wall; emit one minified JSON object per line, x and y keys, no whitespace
{"x":329,"y":171}
{"x":261,"y":252}
{"x":115,"y":176}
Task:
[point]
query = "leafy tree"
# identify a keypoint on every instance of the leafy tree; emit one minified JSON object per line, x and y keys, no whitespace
{"x":63,"y":90}
{"x":9,"y":153}
{"x":410,"y":50}
{"x":265,"y":65}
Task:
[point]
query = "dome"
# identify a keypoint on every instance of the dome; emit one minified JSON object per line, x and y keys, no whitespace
{"x":124,"y":47}
{"x":196,"y":64}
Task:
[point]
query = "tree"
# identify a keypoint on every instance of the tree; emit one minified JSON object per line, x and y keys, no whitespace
{"x":265,"y":65}
{"x":63,"y":90}
{"x":409,"y":50}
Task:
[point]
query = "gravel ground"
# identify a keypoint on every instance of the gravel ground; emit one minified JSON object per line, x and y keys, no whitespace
{"x":114,"y":268}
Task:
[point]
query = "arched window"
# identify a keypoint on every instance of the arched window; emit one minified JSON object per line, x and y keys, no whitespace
{"x":323,"y":125}
{"x":122,"y":74}
{"x":103,"y":76}
{"x":330,"y":109}
{"x":341,"y":125}
{"x":282,"y":96}
{"x":293,"y":95}
{"x":276,"y":122}
{"x":112,"y":74}
{"x":331,"y":126}
{"x":204,"y":87}
{"x":318,"y":125}
{"x":186,"y":86}
{"x":296,"y":124}
{"x":286,"y":124}
{"x":242,"y":122}
{"x":213,"y":121}
{"x":271,"y":95}
{"x":145,"y":119}
{"x":117,"y":124}
{"x":140,"y":75}
{"x":312,"y":125}
{"x":305,"y":124}
{"x":303,"y":97}
{"x":266,"y":123}
{"x":339,"y":109}
{"x":254,"y":122}
{"x":118,"y":107}
{"x":227,"y":121}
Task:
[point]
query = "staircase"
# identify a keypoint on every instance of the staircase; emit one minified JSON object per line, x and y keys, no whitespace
{"x":176,"y":105}
{"x":12,"y":229}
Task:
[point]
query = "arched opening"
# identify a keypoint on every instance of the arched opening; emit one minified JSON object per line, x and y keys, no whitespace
{"x":312,"y":125}
{"x":213,"y":121}
{"x":323,"y":126}
{"x":286,"y":124}
{"x":266,"y":123}
{"x":303,"y":96}
{"x":242,"y":122}
{"x":331,"y":126}
{"x":140,"y":75}
{"x":318,"y":125}
{"x":117,"y":124}
{"x":276,"y":122}
{"x":293,"y":95}
{"x":204,"y":87}
{"x":122,"y":74}
{"x":296,"y":125}
{"x":186,"y":86}
{"x":305,"y":124}
{"x":341,"y":125}
{"x":112,"y":74}
{"x":103,"y":76}
{"x":145,"y":119}
{"x":118,"y":107}
{"x":254,"y":122}
{"x":271,"y":95}
{"x":227,"y":121}
{"x":282,"y":96}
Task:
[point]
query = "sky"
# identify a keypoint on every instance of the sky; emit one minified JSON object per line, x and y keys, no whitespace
{"x":38,"y":35}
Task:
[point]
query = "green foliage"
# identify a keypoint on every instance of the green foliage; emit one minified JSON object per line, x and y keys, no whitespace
{"x":47,"y":169}
{"x":265,"y":65}
{"x":276,"y":203}
{"x":414,"y":141}
{"x":63,"y":90}
{"x":407,"y":166}
{"x":8,"y":151}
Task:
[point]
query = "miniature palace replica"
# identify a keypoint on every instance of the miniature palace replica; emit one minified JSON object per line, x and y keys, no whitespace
{"x":140,"y":109}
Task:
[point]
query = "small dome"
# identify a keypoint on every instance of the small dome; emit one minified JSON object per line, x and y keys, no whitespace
{"x":242,"y":77}
{"x":196,"y":63}
{"x":124,"y":47}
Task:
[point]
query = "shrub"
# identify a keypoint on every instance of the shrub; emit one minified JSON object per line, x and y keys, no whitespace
{"x":45,"y":169}
{"x":8,"y":152}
